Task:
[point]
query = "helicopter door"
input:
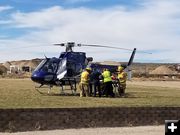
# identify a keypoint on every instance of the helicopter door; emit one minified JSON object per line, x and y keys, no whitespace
{"x":62,"y":71}
{"x":79,"y":68}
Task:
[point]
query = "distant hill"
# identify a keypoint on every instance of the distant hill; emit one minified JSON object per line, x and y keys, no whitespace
{"x":3,"y":69}
{"x":155,"y":68}
{"x":137,"y":68}
{"x":21,"y":63}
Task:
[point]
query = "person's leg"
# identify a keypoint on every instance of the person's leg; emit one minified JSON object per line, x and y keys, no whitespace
{"x":103,"y":89}
{"x":86,"y":89}
{"x":111,"y":93}
{"x":120,"y":90}
{"x":90,"y":89}
{"x":95,"y":89}
{"x":99,"y":89}
{"x":81,"y":90}
{"x":106,"y":89}
{"x":123,"y":89}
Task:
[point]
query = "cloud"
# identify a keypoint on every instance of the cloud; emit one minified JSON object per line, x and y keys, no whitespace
{"x":152,"y":26}
{"x":40,"y":19}
{"x":4,"y":8}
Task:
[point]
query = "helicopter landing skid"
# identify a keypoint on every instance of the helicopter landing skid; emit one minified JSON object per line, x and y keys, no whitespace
{"x":68,"y":81}
{"x":39,"y":91}
{"x":38,"y":87}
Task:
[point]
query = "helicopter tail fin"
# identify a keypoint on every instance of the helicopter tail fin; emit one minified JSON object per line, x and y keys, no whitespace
{"x":131,"y":58}
{"x":128,"y":69}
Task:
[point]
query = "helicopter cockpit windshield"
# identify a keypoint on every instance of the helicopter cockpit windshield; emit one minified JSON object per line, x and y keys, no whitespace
{"x":41,"y":64}
{"x":48,"y":65}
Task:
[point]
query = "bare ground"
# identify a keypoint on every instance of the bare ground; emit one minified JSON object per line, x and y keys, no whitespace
{"x":144,"y":130}
{"x":168,"y":84}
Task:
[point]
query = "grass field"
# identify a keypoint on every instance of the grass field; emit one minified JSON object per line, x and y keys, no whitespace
{"x":20,"y":93}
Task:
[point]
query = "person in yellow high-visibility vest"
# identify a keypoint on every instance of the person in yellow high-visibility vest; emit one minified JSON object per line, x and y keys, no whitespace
{"x":84,"y":83}
{"x":108,"y":89}
{"x":122,"y":76}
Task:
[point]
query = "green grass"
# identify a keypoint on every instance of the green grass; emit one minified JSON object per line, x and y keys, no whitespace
{"x":19,"y":93}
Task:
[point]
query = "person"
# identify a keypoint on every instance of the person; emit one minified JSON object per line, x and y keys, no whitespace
{"x":50,"y":68}
{"x":96,"y":82}
{"x":108,"y":88}
{"x":90,"y":85}
{"x":122,"y":77}
{"x":84,"y":83}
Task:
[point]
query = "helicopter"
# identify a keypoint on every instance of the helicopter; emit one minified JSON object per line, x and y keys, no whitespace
{"x":66,"y":69}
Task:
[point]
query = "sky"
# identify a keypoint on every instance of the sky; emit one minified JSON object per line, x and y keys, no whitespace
{"x":29,"y":28}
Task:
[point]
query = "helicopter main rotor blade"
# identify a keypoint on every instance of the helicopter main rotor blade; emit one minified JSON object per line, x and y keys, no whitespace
{"x":105,"y":47}
{"x":62,"y":44}
{"x":112,"y":48}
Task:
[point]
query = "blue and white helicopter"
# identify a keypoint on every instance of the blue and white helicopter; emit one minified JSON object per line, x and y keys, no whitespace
{"x":66,"y":69}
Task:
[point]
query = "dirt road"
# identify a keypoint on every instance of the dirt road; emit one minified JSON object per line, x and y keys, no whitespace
{"x":146,"y":130}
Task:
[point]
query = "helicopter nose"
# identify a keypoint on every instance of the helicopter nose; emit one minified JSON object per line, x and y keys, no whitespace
{"x":36,"y":78}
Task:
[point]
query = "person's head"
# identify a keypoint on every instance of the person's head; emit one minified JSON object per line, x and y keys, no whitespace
{"x":105,"y":69}
{"x":88,"y":69}
{"x":120,"y":68}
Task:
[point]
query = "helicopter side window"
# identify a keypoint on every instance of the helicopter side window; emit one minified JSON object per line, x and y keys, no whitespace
{"x":49,"y":67}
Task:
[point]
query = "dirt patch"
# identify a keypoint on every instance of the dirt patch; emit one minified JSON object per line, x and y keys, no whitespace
{"x":162,"y":70}
{"x":168,"y":84}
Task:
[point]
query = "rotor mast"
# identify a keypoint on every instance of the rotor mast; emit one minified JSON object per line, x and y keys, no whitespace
{"x":69,"y":46}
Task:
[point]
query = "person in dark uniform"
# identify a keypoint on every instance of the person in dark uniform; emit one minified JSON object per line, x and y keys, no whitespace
{"x":96,"y":82}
